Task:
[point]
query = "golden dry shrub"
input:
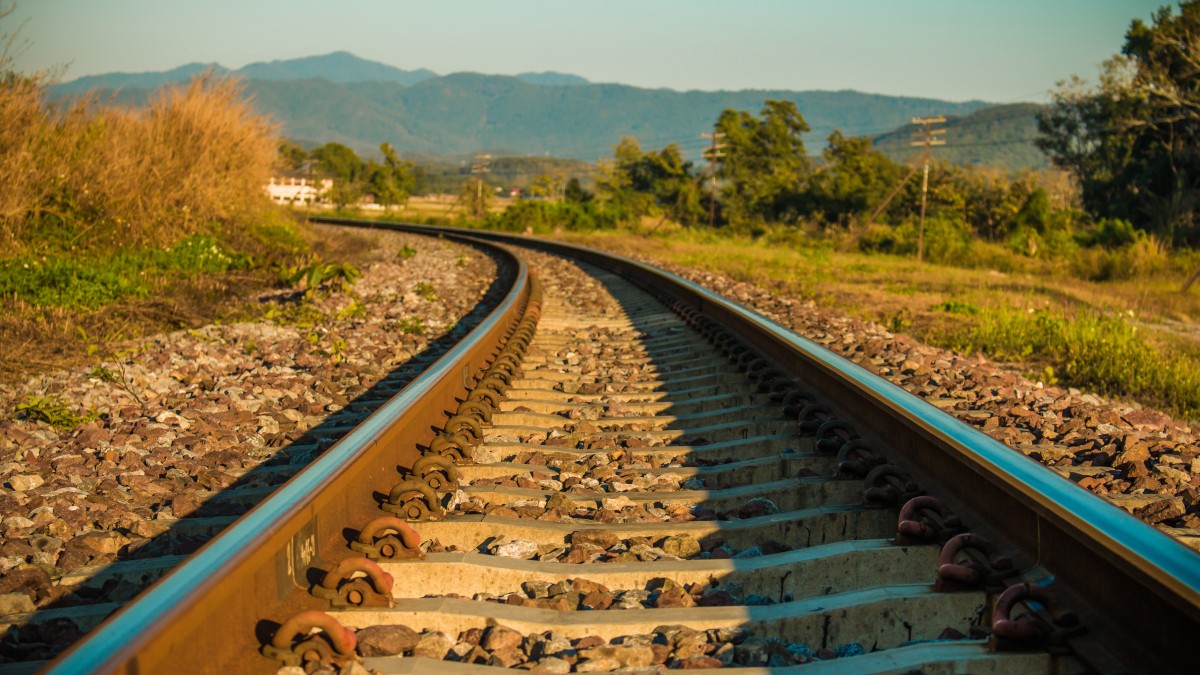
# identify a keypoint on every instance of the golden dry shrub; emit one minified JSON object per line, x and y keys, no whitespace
{"x":29,"y":154}
{"x":197,"y":156}
{"x":96,"y":175}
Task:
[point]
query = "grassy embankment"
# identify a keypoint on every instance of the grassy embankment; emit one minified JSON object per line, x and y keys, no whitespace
{"x":117,"y":223}
{"x":1108,"y":321}
{"x":1135,"y":338}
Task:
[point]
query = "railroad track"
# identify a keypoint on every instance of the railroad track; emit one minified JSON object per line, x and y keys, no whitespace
{"x":620,"y":470}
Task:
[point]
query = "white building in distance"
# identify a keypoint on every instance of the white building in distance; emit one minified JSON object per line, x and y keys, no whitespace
{"x":293,"y":190}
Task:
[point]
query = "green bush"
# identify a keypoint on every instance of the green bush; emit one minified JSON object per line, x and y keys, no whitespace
{"x":542,"y":216}
{"x":1101,"y":352}
{"x":880,"y":238}
{"x":90,"y":282}
{"x":1112,"y":233}
{"x":956,"y":307}
{"x":1142,"y":256}
{"x":70,"y":283}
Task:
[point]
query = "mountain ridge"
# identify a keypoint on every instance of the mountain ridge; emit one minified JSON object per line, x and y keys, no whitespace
{"x":346,"y":99}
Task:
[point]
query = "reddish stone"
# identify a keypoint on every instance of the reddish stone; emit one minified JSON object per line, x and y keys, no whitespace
{"x":588,"y":586}
{"x":498,"y":638}
{"x":596,"y":600}
{"x":587,"y":642}
{"x":698,"y":663}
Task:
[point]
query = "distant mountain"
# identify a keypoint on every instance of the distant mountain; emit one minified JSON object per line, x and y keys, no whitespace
{"x":469,"y":112}
{"x":110,"y":81}
{"x":1001,"y":135}
{"x":341,"y":67}
{"x":552,"y":79}
{"x":360,"y":103}
{"x":336,"y":67}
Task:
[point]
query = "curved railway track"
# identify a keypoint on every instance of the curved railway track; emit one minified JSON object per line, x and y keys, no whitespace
{"x":619,"y":469}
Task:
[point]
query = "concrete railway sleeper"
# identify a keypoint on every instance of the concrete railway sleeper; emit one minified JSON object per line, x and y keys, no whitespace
{"x":633,"y":475}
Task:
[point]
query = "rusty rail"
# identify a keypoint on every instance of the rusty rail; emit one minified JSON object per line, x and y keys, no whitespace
{"x":212,"y":613}
{"x":1105,"y":558}
{"x":206,"y":616}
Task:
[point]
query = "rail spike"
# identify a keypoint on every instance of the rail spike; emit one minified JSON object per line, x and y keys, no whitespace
{"x":924,"y":520}
{"x":455,"y":447}
{"x":969,"y":561}
{"x":294,"y":643}
{"x":342,"y":589}
{"x":833,"y":434}
{"x":887,"y":485}
{"x":856,"y":458}
{"x":413,"y":499}
{"x":1045,"y":624}
{"x":390,"y":538}
{"x":438,"y":471}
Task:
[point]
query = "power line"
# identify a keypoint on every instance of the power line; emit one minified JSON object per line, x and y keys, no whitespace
{"x":479,"y":167}
{"x":712,"y":154}
{"x":928,"y":141}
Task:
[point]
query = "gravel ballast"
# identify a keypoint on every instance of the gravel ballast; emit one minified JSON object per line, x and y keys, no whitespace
{"x":195,"y":427}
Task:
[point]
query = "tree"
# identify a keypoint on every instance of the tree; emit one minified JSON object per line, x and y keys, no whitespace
{"x":1134,"y":143}
{"x":339,"y":162}
{"x":614,"y":180}
{"x":391,"y":181}
{"x":653,"y":183}
{"x":765,"y":167}
{"x":575,"y":193}
{"x":545,"y":186}
{"x":291,"y":156}
{"x":856,"y":178}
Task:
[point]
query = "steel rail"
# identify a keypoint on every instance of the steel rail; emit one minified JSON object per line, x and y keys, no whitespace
{"x":1126,"y":572}
{"x":1106,"y":559}
{"x":210,"y":614}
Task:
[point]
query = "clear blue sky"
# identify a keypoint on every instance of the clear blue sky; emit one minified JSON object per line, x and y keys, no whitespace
{"x":994,"y":50}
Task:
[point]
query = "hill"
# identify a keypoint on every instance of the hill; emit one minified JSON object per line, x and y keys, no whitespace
{"x":112,"y":81}
{"x":342,"y":67}
{"x":1001,"y":135}
{"x":552,"y":79}
{"x":360,"y":103}
{"x":336,"y":67}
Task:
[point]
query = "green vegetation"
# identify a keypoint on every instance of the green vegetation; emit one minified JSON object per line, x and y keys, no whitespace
{"x":1103,"y":353}
{"x":91,"y":282}
{"x":412,"y":325}
{"x":543,"y":216}
{"x":425,"y":290}
{"x":53,"y":411}
{"x":116,"y":221}
{"x":1131,"y":142}
{"x":318,"y":277}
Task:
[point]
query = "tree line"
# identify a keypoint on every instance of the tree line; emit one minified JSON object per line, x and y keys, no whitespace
{"x":388,"y":182}
{"x":1130,"y":145}
{"x":766,"y":176}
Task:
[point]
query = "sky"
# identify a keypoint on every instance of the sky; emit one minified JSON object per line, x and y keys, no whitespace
{"x":999,"y":51}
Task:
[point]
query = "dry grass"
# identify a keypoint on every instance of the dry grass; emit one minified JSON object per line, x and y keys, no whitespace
{"x":93,"y":176}
{"x":95,"y":184}
{"x":38,"y":341}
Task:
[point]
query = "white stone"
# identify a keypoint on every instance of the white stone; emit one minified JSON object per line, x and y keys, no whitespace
{"x":521,"y":549}
{"x":15,"y":603}
{"x":25,"y":482}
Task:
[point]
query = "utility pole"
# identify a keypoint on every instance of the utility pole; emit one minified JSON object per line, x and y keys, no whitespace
{"x":712,"y":153}
{"x":927,"y":140}
{"x":480,"y":166}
